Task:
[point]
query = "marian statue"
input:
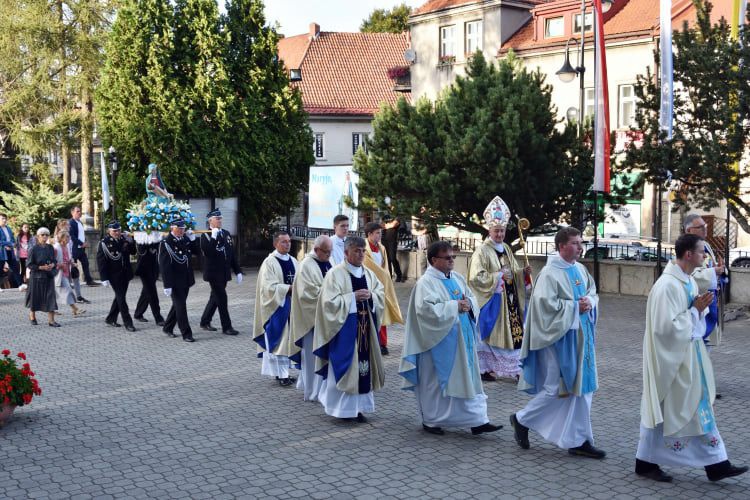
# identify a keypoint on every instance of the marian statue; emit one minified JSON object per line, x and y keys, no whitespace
{"x":156,"y":192}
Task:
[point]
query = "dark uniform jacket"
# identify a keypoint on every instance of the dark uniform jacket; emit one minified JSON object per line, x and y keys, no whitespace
{"x":148,"y":261}
{"x":219,"y":257}
{"x":113,"y":259}
{"x":175,"y":261}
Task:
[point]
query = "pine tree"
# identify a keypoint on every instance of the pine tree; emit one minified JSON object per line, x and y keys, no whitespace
{"x":493,"y":133}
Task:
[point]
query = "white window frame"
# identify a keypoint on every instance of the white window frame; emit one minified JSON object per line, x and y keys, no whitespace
{"x":359,"y":140}
{"x":319,"y":137}
{"x":577,"y":22}
{"x":623,"y":121}
{"x":589,"y":102}
{"x":473,"y":36}
{"x":448,"y":43}
{"x":548,"y":22}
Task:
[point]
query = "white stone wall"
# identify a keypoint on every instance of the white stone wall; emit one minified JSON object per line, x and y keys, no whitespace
{"x":337,"y":133}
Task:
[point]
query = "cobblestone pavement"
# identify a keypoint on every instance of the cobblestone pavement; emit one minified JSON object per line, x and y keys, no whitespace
{"x":142,"y":415}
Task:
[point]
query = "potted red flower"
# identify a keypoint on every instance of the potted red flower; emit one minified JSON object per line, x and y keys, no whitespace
{"x":17,"y":385}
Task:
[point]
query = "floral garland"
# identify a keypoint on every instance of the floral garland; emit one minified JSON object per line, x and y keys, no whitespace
{"x":156,"y":217}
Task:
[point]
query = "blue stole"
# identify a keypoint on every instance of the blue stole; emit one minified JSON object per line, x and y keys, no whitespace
{"x":705,"y":411}
{"x":444,"y":353}
{"x":279,"y":320}
{"x":566,"y":349}
{"x":340,"y":350}
{"x":488,"y":315}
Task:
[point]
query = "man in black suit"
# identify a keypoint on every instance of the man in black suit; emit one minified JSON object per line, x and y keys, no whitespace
{"x":78,"y":239}
{"x":390,"y":242}
{"x":219,"y":260}
{"x":147,"y":268}
{"x":176,"y":270}
{"x":113,"y":259}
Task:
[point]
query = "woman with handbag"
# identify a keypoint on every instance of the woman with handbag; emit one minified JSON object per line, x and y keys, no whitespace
{"x":63,"y":279}
{"x":40,"y":296}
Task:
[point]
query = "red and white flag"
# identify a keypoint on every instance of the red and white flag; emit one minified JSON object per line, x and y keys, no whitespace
{"x":601,"y":105}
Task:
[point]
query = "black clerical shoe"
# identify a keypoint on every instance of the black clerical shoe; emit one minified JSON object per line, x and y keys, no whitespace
{"x":92,"y":283}
{"x":170,"y":334}
{"x":82,"y":300}
{"x":488,"y":427}
{"x":188,"y":339}
{"x":520,"y":432}
{"x":361,"y":418}
{"x":34,"y":322}
{"x":651,"y":471}
{"x":587,"y":450}
{"x":488,"y":377}
{"x":160,"y":322}
{"x":230,"y":331}
{"x":54,"y":324}
{"x":130,"y":328}
{"x":113,"y":324}
{"x":140,"y":318}
{"x":723,"y":470}
{"x":285,"y":382}
{"x":433,"y":430}
{"x":208,"y":328}
{"x":384,"y":350}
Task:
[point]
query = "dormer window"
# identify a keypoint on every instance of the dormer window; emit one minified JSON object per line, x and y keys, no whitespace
{"x":554,"y":27}
{"x":295,"y":75}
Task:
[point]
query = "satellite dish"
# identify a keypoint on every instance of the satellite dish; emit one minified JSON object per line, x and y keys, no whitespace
{"x":410,"y":55}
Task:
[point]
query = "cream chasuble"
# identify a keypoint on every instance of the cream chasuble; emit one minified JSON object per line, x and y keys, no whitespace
{"x":392,"y":312}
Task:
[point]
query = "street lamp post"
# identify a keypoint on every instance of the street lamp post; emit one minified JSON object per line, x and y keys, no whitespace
{"x":567,"y":74}
{"x":113,"y":173}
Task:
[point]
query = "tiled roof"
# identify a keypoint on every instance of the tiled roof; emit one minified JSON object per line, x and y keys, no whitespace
{"x":626,"y":19}
{"x":438,"y":5}
{"x":345,"y":73}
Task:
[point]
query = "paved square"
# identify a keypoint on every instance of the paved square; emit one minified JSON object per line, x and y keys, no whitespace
{"x":140,"y":415}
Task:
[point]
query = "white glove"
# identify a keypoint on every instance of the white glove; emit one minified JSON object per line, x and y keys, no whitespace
{"x":105,"y":283}
{"x":190,"y":235}
{"x":215,"y":232}
{"x":239,"y":278}
{"x":167,"y":292}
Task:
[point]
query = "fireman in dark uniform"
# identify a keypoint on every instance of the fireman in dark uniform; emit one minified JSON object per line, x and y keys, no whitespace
{"x":147,"y":268}
{"x":175,"y":252}
{"x":113,"y":260}
{"x":219,"y":260}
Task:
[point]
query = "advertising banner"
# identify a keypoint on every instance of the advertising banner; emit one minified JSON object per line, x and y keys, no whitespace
{"x":332,"y":190}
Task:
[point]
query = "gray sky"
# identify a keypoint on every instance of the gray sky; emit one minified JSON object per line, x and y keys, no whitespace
{"x":294,"y":16}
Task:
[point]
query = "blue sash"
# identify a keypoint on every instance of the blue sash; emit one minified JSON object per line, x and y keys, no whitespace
{"x":705,"y":411}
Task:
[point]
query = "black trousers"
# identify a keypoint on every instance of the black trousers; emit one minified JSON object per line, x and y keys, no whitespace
{"x":84,"y":260}
{"x":178,"y":313}
{"x":120,"y":305}
{"x":217,"y":300}
{"x":149,"y":297}
{"x":393,"y":265}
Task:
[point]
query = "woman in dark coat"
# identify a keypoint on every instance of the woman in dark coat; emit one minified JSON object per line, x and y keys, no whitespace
{"x":40,"y":296}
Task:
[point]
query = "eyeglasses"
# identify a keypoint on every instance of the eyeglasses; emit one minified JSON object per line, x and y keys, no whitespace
{"x":447,"y":257}
{"x":702,"y":226}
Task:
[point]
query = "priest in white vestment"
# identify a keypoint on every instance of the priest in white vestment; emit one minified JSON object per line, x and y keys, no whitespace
{"x":439,"y":362}
{"x":273,"y":307}
{"x":558,"y":358}
{"x":298,"y":345}
{"x":350,"y":308}
{"x":678,"y":425}
{"x":340,"y":232}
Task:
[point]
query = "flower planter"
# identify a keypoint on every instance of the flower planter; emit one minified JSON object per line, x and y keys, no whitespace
{"x":6,"y":412}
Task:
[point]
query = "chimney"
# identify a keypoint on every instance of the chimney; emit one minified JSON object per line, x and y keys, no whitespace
{"x":314,"y":30}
